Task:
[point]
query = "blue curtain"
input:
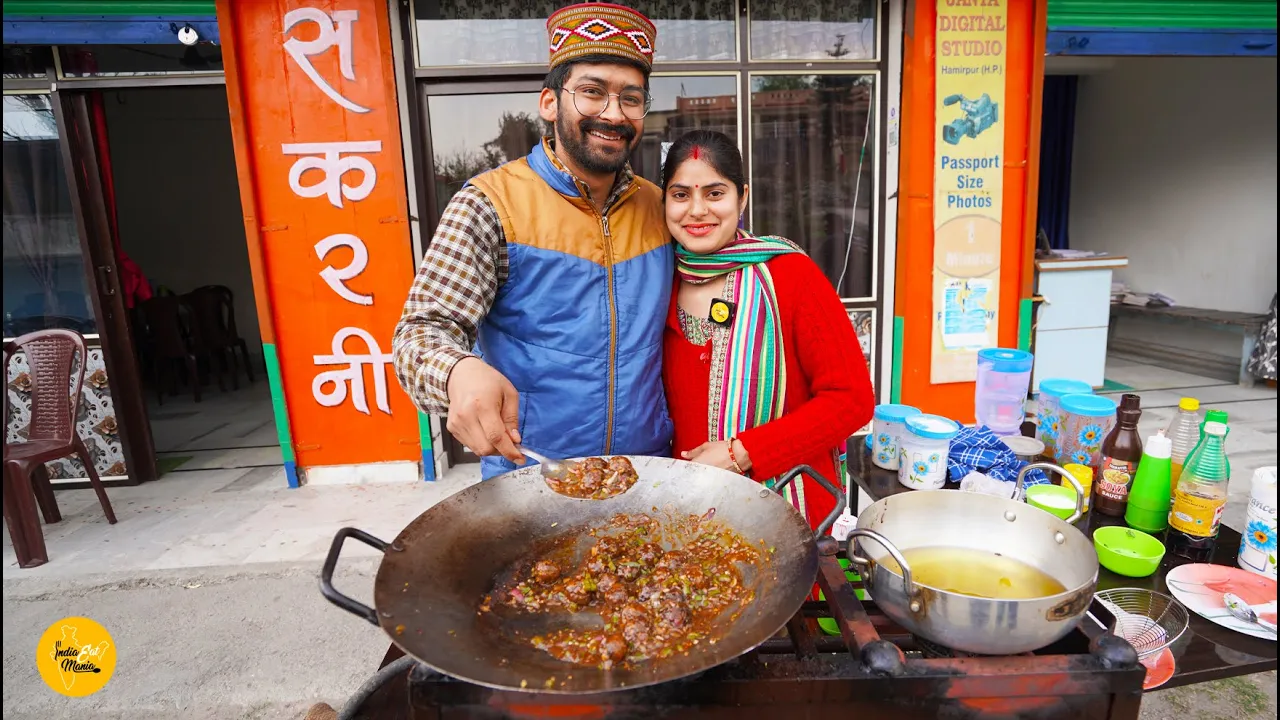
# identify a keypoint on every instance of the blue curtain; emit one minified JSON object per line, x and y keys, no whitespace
{"x":1057,"y":138}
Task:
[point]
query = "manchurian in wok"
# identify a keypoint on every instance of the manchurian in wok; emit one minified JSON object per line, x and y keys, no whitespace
{"x":659,"y":588}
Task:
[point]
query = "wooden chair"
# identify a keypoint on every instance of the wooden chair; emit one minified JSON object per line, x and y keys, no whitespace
{"x":56,"y":380}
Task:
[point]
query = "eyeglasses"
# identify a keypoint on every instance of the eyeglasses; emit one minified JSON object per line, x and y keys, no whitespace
{"x":592,"y":101}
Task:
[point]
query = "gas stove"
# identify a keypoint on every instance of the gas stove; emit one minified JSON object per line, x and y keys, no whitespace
{"x":873,"y":668}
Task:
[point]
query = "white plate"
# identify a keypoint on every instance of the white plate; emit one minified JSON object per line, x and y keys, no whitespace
{"x":1200,"y":587}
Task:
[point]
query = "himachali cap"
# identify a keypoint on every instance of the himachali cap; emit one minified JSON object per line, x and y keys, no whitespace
{"x":600,"y":29}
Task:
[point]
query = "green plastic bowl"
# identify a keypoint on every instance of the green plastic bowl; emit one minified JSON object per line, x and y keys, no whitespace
{"x":1056,"y":500}
{"x":1128,"y":552}
{"x":829,"y":625}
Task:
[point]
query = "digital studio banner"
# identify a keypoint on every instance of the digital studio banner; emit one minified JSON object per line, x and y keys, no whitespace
{"x":968,"y":184}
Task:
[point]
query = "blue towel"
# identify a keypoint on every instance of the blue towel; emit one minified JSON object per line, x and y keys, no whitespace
{"x":979,"y":449}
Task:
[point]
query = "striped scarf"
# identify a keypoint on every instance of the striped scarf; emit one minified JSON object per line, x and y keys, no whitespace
{"x":752,"y":372}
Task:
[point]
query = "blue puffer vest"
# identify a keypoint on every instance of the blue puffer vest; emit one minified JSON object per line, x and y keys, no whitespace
{"x":577,"y":327}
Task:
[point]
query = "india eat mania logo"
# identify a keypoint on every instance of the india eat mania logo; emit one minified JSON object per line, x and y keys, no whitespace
{"x":76,"y":657}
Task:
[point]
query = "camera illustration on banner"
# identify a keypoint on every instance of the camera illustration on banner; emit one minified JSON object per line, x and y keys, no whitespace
{"x":979,"y":115}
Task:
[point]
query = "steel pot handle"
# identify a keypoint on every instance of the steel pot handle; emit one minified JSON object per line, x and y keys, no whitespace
{"x":836,"y":492}
{"x":330,"y":593}
{"x":1022,"y":474}
{"x":860,"y":561}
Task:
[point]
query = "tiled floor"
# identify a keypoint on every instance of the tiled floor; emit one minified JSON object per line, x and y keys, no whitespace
{"x":232,"y":429}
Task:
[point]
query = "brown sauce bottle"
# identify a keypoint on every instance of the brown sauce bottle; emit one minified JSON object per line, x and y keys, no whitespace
{"x":1118,"y":460}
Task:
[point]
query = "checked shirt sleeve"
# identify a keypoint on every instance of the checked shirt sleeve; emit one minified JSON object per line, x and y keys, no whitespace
{"x":455,"y":286}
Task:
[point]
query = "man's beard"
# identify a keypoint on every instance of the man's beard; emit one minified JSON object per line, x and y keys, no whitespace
{"x":573,"y":140}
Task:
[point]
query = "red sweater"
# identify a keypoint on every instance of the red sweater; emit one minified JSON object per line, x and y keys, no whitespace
{"x":829,"y":393}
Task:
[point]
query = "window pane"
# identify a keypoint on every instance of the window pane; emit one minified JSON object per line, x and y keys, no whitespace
{"x":44,"y":281}
{"x":812,"y":160}
{"x":813,"y":29}
{"x":127,"y":60}
{"x":680,"y":104}
{"x":27,"y":61}
{"x":473,"y":133}
{"x":499,"y":32}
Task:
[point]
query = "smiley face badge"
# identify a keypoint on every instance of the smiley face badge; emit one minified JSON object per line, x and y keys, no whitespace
{"x":722,"y":312}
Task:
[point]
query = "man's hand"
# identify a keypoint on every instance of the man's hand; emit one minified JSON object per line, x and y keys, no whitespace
{"x":484,"y":410}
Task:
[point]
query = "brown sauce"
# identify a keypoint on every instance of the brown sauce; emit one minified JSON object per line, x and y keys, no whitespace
{"x":659,"y":588}
{"x":596,"y":478}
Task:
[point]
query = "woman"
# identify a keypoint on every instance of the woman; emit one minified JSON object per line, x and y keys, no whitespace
{"x":762,"y":368}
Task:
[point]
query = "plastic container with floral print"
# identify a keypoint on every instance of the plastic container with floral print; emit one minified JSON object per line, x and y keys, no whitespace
{"x":1049,"y":411}
{"x":1086,"y":420}
{"x":923,"y":451}
{"x":1258,"y":541}
{"x":888,"y":426}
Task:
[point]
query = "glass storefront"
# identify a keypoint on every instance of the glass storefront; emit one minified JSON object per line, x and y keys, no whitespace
{"x":812,"y":157}
{"x":44,"y":271}
{"x":501,"y":32}
{"x":797,"y":82}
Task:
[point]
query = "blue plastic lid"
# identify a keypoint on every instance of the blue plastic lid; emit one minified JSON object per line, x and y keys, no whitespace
{"x":895,"y":413}
{"x":933,"y":427}
{"x":1088,"y":405}
{"x":1004,"y":360}
{"x":1057,"y":387}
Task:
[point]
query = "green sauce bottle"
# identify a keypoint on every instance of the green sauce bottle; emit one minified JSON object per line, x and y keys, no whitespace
{"x":1151,"y":495}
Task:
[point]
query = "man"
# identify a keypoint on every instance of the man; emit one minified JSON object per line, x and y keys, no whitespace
{"x":556,"y":268}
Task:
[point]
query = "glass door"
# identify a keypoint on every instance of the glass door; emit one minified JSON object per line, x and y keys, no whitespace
{"x":56,"y":276}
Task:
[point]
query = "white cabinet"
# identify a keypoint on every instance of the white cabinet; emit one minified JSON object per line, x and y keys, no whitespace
{"x":1072,"y":318}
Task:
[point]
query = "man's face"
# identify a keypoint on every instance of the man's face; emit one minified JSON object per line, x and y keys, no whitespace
{"x":599,"y":144}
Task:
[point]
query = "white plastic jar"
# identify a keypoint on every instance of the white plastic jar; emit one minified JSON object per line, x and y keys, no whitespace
{"x":887,"y":428}
{"x":1258,"y":541}
{"x":922,"y":457}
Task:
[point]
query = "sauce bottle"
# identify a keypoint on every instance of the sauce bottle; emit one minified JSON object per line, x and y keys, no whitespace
{"x":1150,"y":497}
{"x":1201,"y":495}
{"x":1118,"y":460}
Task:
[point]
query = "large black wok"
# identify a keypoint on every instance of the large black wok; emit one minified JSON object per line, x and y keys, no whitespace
{"x":434,"y":574}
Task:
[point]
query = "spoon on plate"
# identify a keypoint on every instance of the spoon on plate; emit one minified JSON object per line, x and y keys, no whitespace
{"x":1245,"y":612}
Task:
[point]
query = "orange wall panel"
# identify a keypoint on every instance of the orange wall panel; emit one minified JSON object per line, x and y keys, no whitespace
{"x":313,"y":108}
{"x":914,"y":283}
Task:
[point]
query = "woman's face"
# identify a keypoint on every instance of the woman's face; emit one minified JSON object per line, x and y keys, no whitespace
{"x":702,"y":207}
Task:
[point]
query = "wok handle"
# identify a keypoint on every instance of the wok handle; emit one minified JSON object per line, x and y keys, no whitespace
{"x":330,"y":593}
{"x":860,"y":561}
{"x":1066,"y":474}
{"x":836,"y":492}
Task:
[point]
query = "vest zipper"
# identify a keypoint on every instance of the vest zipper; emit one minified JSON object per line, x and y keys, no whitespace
{"x":613,"y":333}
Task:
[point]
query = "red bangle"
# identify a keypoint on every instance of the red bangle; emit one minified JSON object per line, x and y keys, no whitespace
{"x":736,"y":467}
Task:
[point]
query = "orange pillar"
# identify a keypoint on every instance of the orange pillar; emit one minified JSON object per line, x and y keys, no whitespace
{"x":314,"y":119}
{"x":1019,"y":114}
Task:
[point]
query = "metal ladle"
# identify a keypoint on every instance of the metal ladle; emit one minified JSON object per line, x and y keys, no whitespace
{"x":551,"y":469}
